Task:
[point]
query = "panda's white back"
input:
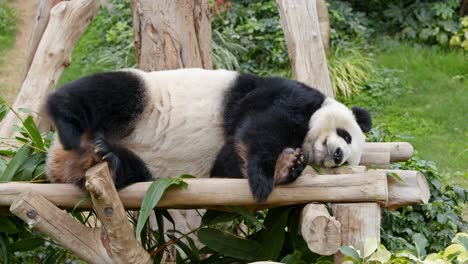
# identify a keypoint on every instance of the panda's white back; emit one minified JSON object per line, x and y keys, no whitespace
{"x":181,"y":130}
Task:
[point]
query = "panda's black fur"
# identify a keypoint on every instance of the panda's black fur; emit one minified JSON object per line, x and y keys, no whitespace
{"x":261,"y":117}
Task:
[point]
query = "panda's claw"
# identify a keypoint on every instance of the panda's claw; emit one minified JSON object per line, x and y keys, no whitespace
{"x":289,"y":165}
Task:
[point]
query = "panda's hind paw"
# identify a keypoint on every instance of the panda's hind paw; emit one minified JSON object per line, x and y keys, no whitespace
{"x":289,"y":165}
{"x":102,"y":148}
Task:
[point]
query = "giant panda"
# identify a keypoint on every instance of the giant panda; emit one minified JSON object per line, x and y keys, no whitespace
{"x":200,"y":122}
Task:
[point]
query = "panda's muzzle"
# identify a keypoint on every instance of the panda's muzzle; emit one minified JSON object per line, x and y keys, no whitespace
{"x":338,"y":156}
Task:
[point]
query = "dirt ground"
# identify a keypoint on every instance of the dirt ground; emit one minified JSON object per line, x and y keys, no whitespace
{"x":11,"y":71}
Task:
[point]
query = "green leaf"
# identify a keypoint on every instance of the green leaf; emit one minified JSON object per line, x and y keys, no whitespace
{"x":350,"y":252}
{"x":152,"y":197}
{"x":420,"y":243}
{"x":248,"y":216}
{"x":453,"y":250}
{"x":26,"y":171}
{"x":462,"y":239}
{"x":15,"y":163}
{"x":228,"y":244}
{"x":370,"y":245}
{"x":27,"y":244}
{"x":33,"y":132}
{"x":271,"y":238}
{"x":382,"y":255}
{"x":193,"y":256}
{"x":212,"y":217}
{"x":396,"y":176}
{"x":7,"y":226}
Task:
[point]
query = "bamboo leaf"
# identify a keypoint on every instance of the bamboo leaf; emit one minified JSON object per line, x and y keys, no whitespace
{"x":228,"y":244}
{"x":15,"y":163}
{"x":27,"y":244}
{"x":33,"y":132}
{"x":152,"y":197}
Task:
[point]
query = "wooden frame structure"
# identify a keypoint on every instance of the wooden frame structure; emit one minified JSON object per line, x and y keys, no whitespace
{"x":357,"y":194}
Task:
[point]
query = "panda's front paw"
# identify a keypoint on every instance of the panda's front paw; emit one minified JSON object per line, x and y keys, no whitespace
{"x":103,"y":149}
{"x":289,"y":165}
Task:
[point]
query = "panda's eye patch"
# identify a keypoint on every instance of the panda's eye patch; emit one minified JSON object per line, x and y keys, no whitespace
{"x":344,"y":134}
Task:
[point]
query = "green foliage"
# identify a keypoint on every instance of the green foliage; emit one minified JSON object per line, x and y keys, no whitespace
{"x":350,"y":68}
{"x":460,"y":38}
{"x":441,"y":216}
{"x":347,"y":25}
{"x":425,"y":21}
{"x":255,"y":26}
{"x":456,"y":253}
{"x":106,"y":45}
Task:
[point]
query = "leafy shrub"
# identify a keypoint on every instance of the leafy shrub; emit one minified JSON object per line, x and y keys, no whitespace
{"x":255,"y":26}
{"x":441,"y":216}
{"x":456,"y":253}
{"x":347,"y":24}
{"x":350,"y":69}
{"x":461,"y":36}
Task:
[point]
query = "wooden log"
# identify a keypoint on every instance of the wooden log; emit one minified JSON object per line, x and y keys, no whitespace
{"x":300,"y":24}
{"x":68,"y":21}
{"x":399,"y":151}
{"x":40,"y":23}
{"x":379,"y":159}
{"x":359,"y":221}
{"x":414,"y":189}
{"x":209,"y":193}
{"x":123,"y":246}
{"x":45,"y":217}
{"x":321,"y":231}
{"x":172,"y":34}
{"x":324,"y":25}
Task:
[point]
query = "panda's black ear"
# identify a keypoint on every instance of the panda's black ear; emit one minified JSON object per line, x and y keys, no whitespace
{"x":363,"y":118}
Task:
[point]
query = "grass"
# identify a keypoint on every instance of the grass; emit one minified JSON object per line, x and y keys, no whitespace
{"x":427,"y":105}
{"x":7,"y":27}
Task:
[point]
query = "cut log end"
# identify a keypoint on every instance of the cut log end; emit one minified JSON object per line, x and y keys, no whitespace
{"x":320,"y":230}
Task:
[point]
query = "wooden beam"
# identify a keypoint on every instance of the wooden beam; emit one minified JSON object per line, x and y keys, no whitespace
{"x":411,"y":189}
{"x":359,"y":221}
{"x":209,"y":193}
{"x":399,"y":151}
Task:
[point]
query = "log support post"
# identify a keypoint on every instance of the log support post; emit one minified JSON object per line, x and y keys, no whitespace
{"x":359,"y":221}
{"x":113,"y":242}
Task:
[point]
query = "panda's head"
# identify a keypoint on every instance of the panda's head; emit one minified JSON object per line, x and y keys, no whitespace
{"x":335,"y":135}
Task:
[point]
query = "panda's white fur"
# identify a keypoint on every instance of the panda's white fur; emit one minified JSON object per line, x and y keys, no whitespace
{"x":191,"y":121}
{"x":181,"y":131}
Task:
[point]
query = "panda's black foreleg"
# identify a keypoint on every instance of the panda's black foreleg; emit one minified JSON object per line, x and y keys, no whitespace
{"x":259,"y":141}
{"x":228,"y":163}
{"x":125,"y":166}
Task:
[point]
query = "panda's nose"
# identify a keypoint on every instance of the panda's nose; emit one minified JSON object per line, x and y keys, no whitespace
{"x":338,"y":156}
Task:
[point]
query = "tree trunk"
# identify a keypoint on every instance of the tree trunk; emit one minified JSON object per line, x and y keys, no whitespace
{"x":172,"y":34}
{"x":68,"y":21}
{"x":324,"y":25}
{"x":41,"y":20}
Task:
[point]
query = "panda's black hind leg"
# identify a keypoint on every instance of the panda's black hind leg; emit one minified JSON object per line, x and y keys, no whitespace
{"x":125,"y":166}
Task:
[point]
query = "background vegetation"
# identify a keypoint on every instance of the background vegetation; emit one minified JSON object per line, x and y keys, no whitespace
{"x":404,"y":60}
